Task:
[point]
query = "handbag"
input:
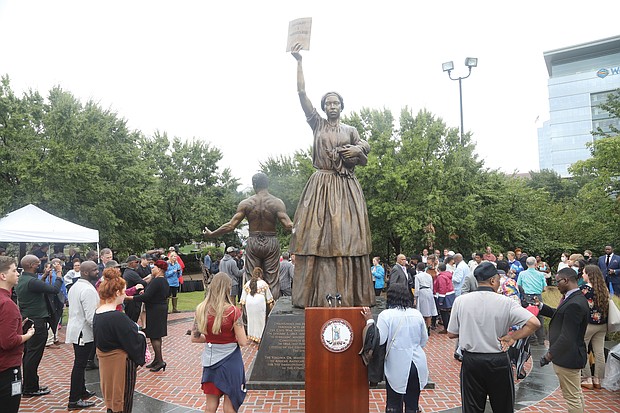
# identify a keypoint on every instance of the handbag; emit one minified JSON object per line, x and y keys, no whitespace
{"x":384,"y":350}
{"x":613,"y":317}
{"x":373,"y":354}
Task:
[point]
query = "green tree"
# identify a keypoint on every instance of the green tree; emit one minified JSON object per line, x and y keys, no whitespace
{"x":191,"y":192}
{"x":548,"y":180}
{"x":20,"y":124}
{"x":613,"y":107}
{"x":419,"y":183}
{"x":82,"y":163}
{"x":511,"y":214}
{"x":598,"y":203}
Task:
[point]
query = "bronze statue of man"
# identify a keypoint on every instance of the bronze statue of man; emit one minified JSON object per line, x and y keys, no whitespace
{"x":331,"y":233}
{"x":262,"y":211}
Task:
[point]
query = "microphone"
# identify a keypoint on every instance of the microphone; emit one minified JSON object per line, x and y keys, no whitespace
{"x":329,"y":299}
{"x":339,"y":299}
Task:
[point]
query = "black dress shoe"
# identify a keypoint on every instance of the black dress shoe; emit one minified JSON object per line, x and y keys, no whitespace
{"x":88,"y":394}
{"x":158,"y":367}
{"x":80,"y":404}
{"x":91,"y":365}
{"x":43,"y":388}
{"x":36,"y":393}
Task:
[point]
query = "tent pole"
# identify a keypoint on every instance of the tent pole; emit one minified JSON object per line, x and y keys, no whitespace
{"x":22,"y":250}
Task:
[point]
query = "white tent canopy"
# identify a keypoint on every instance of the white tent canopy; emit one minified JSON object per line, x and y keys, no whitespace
{"x":32,"y":224}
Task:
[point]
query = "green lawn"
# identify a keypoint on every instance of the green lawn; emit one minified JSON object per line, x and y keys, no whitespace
{"x":187,"y":302}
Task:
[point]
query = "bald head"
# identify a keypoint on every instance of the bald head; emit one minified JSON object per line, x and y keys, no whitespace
{"x":30,"y":263}
{"x":458,"y":258}
{"x":89,"y":270}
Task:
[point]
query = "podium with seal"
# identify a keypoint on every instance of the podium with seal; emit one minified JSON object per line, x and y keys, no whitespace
{"x":336,"y":378}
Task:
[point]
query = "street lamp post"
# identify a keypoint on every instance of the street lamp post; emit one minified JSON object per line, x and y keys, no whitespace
{"x":448,"y":67}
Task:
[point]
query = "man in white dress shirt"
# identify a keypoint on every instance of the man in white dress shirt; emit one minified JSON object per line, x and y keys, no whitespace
{"x":83,"y":301}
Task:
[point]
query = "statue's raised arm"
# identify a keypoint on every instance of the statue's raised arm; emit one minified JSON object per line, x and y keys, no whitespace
{"x":306,"y":105}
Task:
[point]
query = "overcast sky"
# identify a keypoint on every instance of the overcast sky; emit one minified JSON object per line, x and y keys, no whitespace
{"x":218,"y":71}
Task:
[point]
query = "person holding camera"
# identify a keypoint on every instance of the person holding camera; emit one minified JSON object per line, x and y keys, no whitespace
{"x":13,"y":335}
{"x":567,"y":349}
{"x":481,"y":321}
{"x":32,"y":298}
{"x":610,"y":267}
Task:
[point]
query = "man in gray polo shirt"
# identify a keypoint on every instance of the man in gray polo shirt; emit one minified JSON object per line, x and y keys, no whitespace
{"x":480,"y":320}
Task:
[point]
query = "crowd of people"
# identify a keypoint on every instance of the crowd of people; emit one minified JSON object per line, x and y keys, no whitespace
{"x":112,"y":309}
{"x":491,"y":305}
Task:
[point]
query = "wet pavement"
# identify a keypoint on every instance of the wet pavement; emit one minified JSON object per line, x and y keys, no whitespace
{"x":178,"y":388}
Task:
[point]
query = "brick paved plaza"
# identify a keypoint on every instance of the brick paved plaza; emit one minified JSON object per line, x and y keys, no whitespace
{"x":178,"y":388}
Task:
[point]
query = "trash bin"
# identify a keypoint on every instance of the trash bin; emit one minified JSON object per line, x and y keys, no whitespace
{"x":611,"y":381}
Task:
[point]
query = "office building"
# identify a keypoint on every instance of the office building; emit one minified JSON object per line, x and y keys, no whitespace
{"x":580,"y":79}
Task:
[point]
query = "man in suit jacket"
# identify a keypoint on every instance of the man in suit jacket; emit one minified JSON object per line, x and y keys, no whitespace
{"x":610,"y":267}
{"x":398,"y":275}
{"x":567,"y":328}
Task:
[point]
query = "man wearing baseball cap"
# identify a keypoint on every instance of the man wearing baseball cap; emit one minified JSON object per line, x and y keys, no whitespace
{"x":480,"y":320}
{"x":132,"y":278}
{"x":229,"y":266}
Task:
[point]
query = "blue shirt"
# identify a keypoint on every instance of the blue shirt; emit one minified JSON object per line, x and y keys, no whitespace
{"x":405,"y":333}
{"x":532,"y":281}
{"x":379,"y":273}
{"x":207,"y":262}
{"x":458,"y":278}
{"x":517,"y":267}
{"x":173,"y":274}
{"x":62,"y":295}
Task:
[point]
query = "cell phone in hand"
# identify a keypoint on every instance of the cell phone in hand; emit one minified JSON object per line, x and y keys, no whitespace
{"x":26,"y":325}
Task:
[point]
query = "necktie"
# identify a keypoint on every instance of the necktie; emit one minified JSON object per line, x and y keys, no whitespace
{"x":562,"y":300}
{"x":608,"y":258}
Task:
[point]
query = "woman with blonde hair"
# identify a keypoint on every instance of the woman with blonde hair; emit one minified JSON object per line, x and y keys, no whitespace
{"x":597,"y":294}
{"x":173,"y":276}
{"x":121,"y":347}
{"x":218,"y":324}
{"x":256,"y":297}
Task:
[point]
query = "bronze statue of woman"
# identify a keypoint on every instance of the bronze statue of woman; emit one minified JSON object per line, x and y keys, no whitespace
{"x":331,"y":234}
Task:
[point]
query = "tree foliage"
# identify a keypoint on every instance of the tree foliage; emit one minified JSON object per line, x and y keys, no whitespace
{"x":597,"y":205}
{"x":425,"y":188}
{"x":613,"y":107}
{"x":81,"y":162}
{"x":423,"y":183}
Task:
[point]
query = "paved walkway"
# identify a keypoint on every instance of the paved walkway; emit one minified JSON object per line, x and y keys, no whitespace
{"x":178,"y":388}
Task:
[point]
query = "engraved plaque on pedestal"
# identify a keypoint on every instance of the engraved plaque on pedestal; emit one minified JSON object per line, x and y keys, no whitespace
{"x":280,"y":360}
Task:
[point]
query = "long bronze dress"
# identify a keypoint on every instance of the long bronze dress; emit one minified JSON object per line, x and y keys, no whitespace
{"x":331,"y":234}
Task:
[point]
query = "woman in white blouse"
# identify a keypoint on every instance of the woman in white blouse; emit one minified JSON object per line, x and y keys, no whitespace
{"x":403,"y":329}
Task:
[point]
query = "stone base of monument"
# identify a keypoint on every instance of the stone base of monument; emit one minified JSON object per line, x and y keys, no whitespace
{"x":280,"y":361}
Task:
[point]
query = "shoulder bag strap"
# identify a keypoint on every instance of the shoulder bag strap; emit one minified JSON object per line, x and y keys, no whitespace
{"x":394,"y":337}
